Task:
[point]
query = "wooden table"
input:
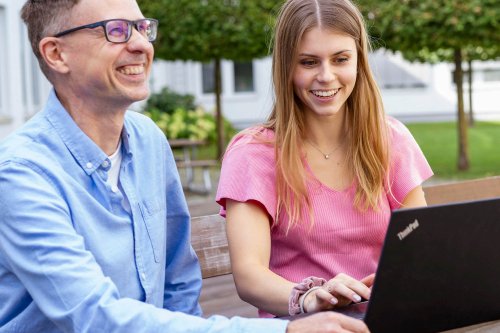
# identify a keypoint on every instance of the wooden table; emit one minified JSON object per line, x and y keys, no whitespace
{"x":189,"y":162}
{"x":188,"y":147}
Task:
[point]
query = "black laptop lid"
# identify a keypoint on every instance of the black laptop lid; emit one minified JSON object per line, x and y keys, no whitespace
{"x":439,"y":269}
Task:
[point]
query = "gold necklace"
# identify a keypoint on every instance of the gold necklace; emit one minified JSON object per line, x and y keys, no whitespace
{"x":325,"y":155}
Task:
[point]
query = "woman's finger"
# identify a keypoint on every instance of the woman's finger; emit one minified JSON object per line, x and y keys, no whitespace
{"x":368,"y":280}
{"x":342,"y":290}
{"x":325,"y":296}
{"x":359,"y":288}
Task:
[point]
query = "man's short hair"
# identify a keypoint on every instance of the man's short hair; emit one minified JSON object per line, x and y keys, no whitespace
{"x":45,"y":18}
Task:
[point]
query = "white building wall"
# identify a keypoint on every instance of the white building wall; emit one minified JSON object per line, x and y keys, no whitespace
{"x":10,"y":83}
{"x":243,"y":108}
{"x":23,"y":89}
{"x":486,"y":94}
{"x":3,"y":65}
{"x":436,"y":101}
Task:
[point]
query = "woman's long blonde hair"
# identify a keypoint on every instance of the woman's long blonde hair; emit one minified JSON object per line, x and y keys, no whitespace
{"x":365,"y":120}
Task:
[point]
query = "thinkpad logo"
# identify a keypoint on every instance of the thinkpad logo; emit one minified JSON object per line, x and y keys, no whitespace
{"x":408,"y":230}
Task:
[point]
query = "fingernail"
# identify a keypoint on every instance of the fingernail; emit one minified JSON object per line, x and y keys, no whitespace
{"x":334,"y":301}
{"x":356,"y":297}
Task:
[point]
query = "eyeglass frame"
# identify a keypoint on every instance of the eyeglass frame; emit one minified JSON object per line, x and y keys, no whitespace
{"x":102,"y":24}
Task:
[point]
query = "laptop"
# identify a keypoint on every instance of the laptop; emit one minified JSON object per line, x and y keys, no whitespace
{"x":439,"y":269}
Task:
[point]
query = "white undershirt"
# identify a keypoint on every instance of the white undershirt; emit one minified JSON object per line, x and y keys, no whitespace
{"x":116,"y":162}
{"x":114,"y":175}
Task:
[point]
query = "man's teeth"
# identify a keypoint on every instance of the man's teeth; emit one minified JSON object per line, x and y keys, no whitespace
{"x":325,"y":93}
{"x":132,"y":70}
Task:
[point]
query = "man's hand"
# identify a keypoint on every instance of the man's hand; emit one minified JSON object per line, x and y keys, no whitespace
{"x":327,"y":322}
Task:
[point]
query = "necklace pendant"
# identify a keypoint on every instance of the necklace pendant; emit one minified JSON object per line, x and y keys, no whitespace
{"x":327,"y":156}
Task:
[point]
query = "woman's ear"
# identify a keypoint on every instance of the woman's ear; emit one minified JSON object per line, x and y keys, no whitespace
{"x":52,"y":53}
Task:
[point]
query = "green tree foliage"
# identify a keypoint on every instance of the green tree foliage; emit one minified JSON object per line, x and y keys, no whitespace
{"x":414,"y":25}
{"x":212,"y":30}
{"x":168,"y":101}
{"x":438,"y":30}
{"x":203,"y":30}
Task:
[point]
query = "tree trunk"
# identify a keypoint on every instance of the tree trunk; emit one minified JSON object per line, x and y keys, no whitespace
{"x":218,"y":110}
{"x":463,"y":152}
{"x":471,"y":110}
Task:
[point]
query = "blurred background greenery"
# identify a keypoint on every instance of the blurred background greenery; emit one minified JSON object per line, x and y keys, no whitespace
{"x":451,"y":31}
{"x":179,"y":117}
{"x":439,"y":143}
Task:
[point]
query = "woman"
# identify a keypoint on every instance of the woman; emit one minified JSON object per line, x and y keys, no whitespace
{"x":307,"y":196}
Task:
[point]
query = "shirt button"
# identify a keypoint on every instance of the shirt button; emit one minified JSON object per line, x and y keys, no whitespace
{"x":105,"y":164}
{"x":143,"y":276}
{"x":89,"y":165}
{"x":114,"y":188}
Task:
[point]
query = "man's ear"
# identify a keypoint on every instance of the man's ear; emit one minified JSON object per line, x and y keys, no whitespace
{"x":52,"y":52}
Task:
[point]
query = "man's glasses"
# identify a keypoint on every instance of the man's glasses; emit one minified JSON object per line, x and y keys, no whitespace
{"x":120,"y":30}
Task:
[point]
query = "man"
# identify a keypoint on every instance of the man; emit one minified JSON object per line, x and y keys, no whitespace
{"x":94,"y":228}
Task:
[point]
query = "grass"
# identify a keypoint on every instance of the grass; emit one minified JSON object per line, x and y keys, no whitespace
{"x":439,"y":142}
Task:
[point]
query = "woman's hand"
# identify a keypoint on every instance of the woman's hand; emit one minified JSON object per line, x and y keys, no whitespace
{"x":339,"y":291}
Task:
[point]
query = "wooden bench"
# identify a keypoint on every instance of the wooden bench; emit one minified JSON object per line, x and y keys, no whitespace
{"x":466,"y":190}
{"x":219,"y":295}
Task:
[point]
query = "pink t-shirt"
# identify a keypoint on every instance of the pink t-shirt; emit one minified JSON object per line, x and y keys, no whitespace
{"x":343,"y":239}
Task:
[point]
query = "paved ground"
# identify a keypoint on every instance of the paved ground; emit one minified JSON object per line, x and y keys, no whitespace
{"x":202,"y":204}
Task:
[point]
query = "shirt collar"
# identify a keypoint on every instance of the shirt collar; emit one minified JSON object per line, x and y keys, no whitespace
{"x":127,"y":137}
{"x":85,"y":151}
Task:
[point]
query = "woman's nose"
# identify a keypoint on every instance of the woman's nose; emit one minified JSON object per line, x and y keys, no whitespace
{"x":326,"y":73}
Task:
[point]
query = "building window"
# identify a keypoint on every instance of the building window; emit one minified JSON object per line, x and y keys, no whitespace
{"x":3,"y":64}
{"x":207,"y":77}
{"x":482,"y":75}
{"x":491,"y":75}
{"x":243,"y":77}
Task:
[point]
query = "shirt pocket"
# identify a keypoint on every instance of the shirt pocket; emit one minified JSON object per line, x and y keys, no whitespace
{"x":154,"y":217}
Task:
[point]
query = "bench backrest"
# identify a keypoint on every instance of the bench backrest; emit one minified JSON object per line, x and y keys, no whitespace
{"x":208,"y":233}
{"x":208,"y":237}
{"x":476,"y":189}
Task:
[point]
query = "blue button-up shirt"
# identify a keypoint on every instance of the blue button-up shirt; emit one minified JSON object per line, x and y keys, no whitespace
{"x":75,"y":257}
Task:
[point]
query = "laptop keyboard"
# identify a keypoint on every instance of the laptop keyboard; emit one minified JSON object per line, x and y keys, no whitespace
{"x":355,"y":310}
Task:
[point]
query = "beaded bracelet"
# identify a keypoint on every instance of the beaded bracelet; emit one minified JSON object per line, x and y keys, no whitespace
{"x":294,"y":307}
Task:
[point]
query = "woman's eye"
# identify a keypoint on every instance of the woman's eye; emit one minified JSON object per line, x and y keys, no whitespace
{"x":342,"y":59}
{"x":307,"y":62}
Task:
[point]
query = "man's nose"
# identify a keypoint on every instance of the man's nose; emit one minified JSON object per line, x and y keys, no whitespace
{"x":138,"y":41}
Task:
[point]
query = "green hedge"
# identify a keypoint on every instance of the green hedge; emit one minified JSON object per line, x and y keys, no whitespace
{"x":179,"y":118}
